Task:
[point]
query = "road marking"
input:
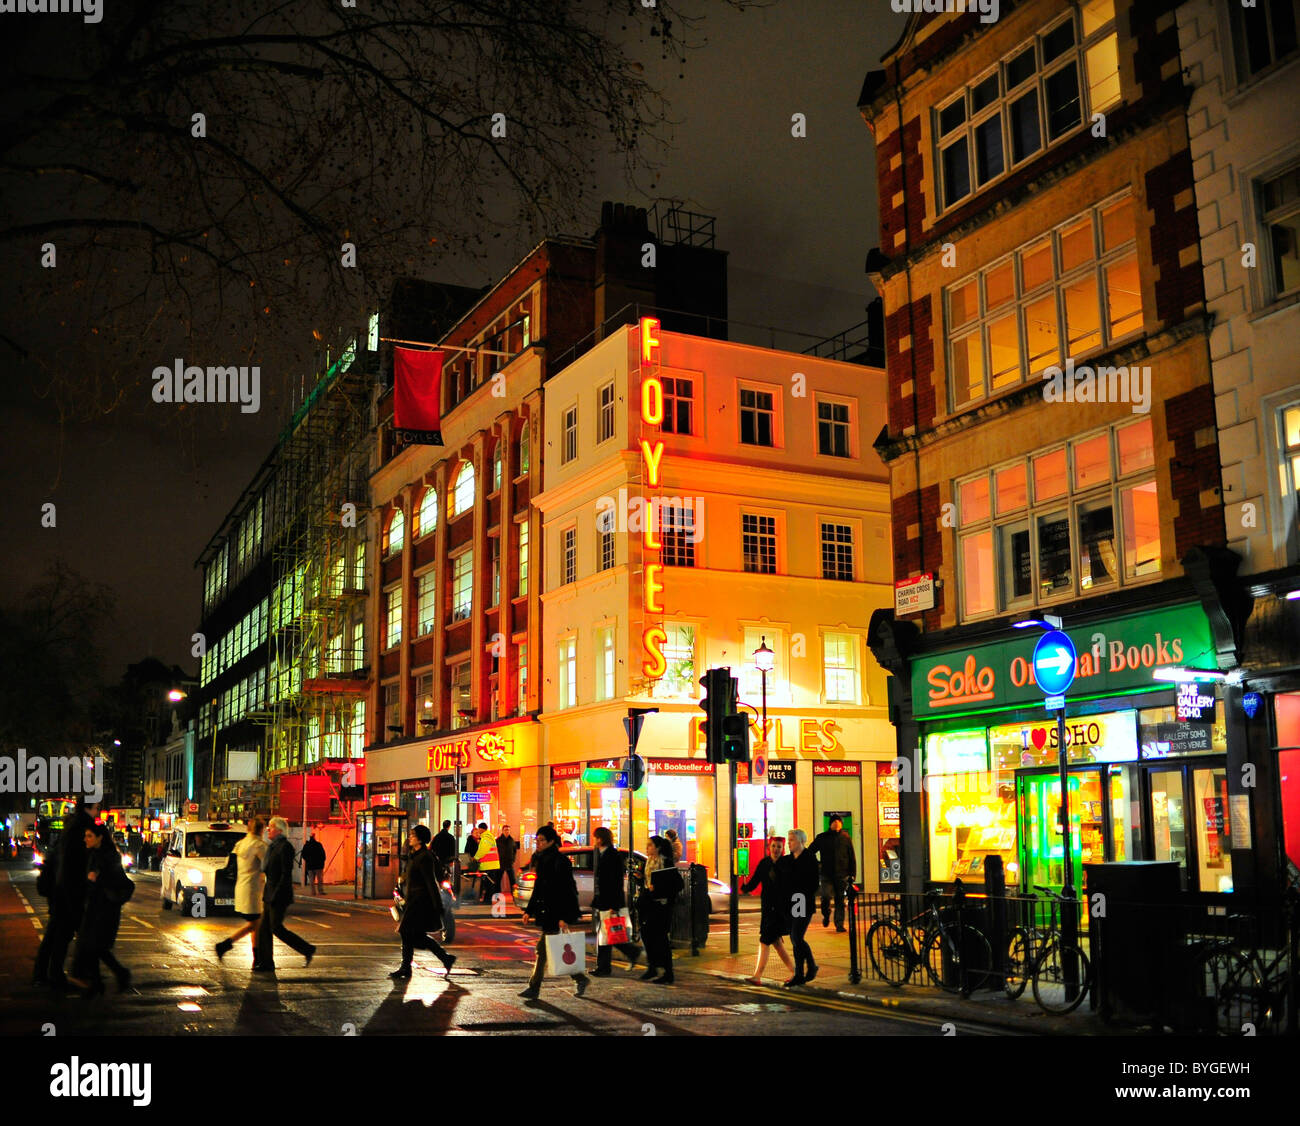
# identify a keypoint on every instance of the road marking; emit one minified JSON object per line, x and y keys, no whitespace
{"x":340,"y":914}
{"x":137,"y":919}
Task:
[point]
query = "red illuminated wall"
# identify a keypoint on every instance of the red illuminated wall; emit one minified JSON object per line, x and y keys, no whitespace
{"x":1286,"y":707}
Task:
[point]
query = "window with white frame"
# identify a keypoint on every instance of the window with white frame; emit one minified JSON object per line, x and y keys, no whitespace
{"x":837,"y":551}
{"x":462,"y":492}
{"x":426,"y":515}
{"x":832,"y":428}
{"x":522,"y":533}
{"x":1264,"y":34}
{"x":462,"y":585}
{"x":605,"y":663}
{"x":569,"y":436}
{"x":359,"y":565}
{"x":1279,"y":205}
{"x":372,"y":333}
{"x":605,"y":413}
{"x":426,"y":601}
{"x":1059,"y":523}
{"x":679,"y":405}
{"x":568,"y":555}
{"x":334,"y":654}
{"x":1033,"y":98}
{"x":359,"y":644}
{"x":751,"y":677}
{"x":568,"y":670}
{"x":758,"y":543}
{"x":680,"y":677}
{"x":1064,"y":294}
{"x":1288,"y":442}
{"x":605,"y":549}
{"x":840,"y":668}
{"x":677,"y":534}
{"x":757,"y":417}
{"x":392,"y":616}
{"x":395,"y":537}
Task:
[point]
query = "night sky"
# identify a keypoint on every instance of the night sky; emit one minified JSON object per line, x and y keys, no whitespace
{"x":138,"y":496}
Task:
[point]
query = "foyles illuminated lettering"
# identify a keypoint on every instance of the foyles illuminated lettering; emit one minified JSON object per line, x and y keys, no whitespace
{"x":653,"y":638}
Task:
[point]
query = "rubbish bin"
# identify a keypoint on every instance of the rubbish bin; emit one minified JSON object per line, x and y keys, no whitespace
{"x":690,"y":925}
{"x":1135,"y":937}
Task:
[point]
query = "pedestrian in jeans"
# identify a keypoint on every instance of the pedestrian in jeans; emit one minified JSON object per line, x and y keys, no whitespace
{"x":797,"y":872}
{"x":423,"y":914}
{"x":313,"y":865}
{"x":250,"y":854}
{"x":608,"y":899}
{"x":773,"y":920}
{"x":834,"y":849}
{"x":507,"y":850}
{"x":554,"y":904}
{"x":277,"y":895}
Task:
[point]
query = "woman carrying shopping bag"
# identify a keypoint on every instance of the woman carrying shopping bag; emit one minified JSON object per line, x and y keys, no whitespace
{"x":609,"y":905}
{"x":554,"y":904}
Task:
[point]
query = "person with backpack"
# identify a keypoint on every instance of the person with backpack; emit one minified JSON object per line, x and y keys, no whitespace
{"x":107,"y":888}
{"x":554,"y":904}
{"x":662,"y":885}
{"x":277,"y":895}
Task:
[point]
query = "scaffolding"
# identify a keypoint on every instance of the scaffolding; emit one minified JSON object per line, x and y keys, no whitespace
{"x":314,"y":707}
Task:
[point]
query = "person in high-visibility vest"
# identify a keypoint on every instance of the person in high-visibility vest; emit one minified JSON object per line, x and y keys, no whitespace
{"x":489,"y":863}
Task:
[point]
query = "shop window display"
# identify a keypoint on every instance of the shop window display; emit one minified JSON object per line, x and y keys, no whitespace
{"x":972,"y":816}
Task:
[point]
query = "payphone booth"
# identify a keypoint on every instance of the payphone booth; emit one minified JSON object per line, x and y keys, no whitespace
{"x":381,"y":833}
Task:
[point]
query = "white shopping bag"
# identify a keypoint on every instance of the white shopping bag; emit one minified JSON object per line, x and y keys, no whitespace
{"x":603,"y":934}
{"x":566,"y":954}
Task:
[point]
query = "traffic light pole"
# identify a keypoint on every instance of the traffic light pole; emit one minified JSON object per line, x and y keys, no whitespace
{"x":735,"y":865}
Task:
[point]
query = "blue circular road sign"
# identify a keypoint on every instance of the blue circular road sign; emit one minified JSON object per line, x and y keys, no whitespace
{"x":1054,"y":659}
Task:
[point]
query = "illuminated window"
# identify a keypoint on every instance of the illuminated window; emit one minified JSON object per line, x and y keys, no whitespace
{"x":426,"y":708}
{"x":1036,"y":95}
{"x":833,"y":429}
{"x":396,"y":534}
{"x":462,"y":492}
{"x":749,"y":674}
{"x":679,"y":405}
{"x":496,"y":468}
{"x":837,"y":552}
{"x":677,"y":534}
{"x":758,"y":539}
{"x":426,"y":516}
{"x":569,"y":556}
{"x":392,"y":616}
{"x":757,"y":412}
{"x":568,"y":672}
{"x":840,"y":668}
{"x":605,"y":549}
{"x":462,"y":714}
{"x":1054,"y":298}
{"x":372,"y":333}
{"x":425,"y":602}
{"x":569,"y":438}
{"x":605,"y":663}
{"x":680,"y":677}
{"x":521,"y":679}
{"x":392,"y":711}
{"x":523,"y":450}
{"x":496,"y":571}
{"x":1279,"y":200}
{"x":462,"y":585}
{"x":522,"y":527}
{"x":605,"y":413}
{"x":1068,"y":521}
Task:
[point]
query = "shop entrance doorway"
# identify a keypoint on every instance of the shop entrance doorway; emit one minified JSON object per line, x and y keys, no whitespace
{"x":1042,"y":852}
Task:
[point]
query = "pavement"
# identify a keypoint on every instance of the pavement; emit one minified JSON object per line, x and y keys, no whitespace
{"x":831,"y":951}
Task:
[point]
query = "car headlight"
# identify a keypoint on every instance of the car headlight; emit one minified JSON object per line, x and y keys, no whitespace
{"x":126,"y":862}
{"x":194,"y":876}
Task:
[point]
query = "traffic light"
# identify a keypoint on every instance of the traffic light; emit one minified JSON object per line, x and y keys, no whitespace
{"x":717,"y":704}
{"x":735,"y":737}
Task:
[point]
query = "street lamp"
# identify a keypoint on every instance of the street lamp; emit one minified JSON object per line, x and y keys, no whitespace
{"x":175,"y":695}
{"x":765,"y":661}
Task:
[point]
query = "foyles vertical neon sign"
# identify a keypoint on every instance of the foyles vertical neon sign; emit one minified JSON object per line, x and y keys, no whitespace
{"x":653,"y":638}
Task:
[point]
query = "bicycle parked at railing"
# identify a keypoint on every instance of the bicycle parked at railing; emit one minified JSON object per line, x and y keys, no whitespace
{"x":897,"y":952}
{"x":1060,"y":971}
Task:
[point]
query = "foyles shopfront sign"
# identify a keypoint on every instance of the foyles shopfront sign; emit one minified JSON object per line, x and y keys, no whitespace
{"x":1114,"y":656}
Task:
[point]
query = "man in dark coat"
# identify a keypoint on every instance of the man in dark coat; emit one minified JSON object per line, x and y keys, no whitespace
{"x":839,"y":864}
{"x":107,"y":888}
{"x":67,"y":898}
{"x":423,"y":905}
{"x":554,"y":904}
{"x":313,"y":865}
{"x":135,"y":843}
{"x":608,"y":895}
{"x":507,"y":850}
{"x":276,"y":897}
{"x":444,"y":845}
{"x":798,"y":873}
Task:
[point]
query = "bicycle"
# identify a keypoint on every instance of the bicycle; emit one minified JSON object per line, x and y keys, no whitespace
{"x":897,"y":953}
{"x":1060,"y":971}
{"x":1236,"y":988}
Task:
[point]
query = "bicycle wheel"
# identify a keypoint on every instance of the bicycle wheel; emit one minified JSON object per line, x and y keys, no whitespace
{"x":1051,"y":990}
{"x":977,"y":971}
{"x":1227,"y":992}
{"x":890,"y":952}
{"x":969,"y":959}
{"x":1016,"y":963}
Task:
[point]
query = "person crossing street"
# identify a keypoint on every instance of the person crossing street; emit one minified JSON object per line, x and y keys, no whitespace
{"x":277,"y":895}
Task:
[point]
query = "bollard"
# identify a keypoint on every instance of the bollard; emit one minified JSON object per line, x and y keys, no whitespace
{"x":995,"y":887}
{"x":855,"y":970}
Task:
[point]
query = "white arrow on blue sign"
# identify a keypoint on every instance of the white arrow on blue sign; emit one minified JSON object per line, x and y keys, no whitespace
{"x":1054,"y":659}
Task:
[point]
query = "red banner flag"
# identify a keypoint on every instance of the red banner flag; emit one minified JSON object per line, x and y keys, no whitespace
{"x":417,"y":394}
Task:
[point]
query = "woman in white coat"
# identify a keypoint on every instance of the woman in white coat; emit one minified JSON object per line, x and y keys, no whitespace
{"x":249,"y":855}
